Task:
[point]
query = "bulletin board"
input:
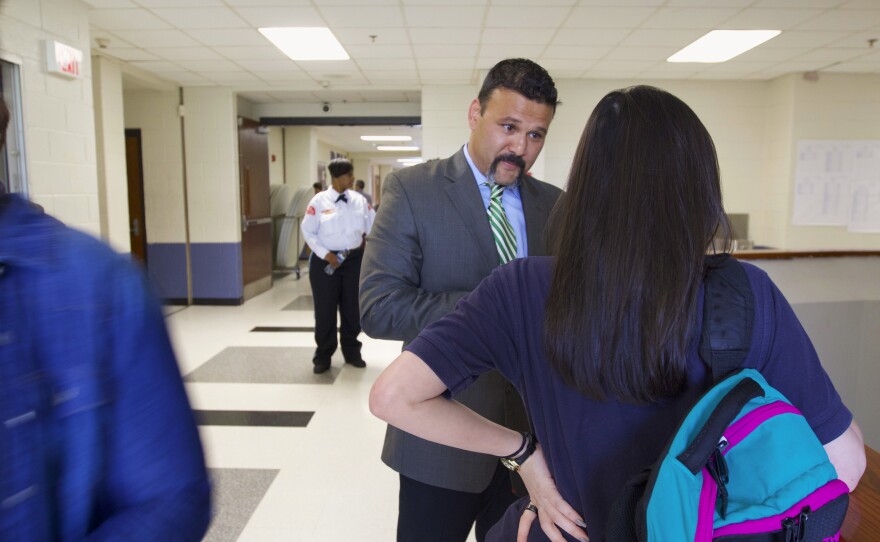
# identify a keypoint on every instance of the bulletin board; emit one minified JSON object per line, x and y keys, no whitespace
{"x":837,"y":183}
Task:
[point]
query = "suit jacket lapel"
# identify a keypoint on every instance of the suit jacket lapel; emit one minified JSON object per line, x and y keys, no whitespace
{"x":535,"y":213}
{"x":465,"y":195}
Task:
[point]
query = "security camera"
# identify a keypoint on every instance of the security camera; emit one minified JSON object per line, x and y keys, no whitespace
{"x":326,"y":107}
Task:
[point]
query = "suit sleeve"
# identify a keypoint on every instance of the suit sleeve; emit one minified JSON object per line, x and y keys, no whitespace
{"x":392,"y":303}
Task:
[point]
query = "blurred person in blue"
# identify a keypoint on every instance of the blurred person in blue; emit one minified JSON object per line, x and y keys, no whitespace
{"x":98,"y":441}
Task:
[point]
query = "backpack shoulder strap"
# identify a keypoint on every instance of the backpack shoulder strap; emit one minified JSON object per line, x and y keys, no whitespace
{"x":728,"y":315}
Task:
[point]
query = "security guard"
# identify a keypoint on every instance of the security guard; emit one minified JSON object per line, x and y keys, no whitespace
{"x":335,"y":227}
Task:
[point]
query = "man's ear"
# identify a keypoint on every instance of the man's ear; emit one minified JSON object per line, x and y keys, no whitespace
{"x":474,"y":113}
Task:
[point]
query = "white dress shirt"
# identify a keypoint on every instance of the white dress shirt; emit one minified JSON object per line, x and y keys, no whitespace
{"x":331,"y":225}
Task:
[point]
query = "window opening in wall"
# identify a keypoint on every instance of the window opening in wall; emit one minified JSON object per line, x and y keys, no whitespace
{"x":13,"y":170}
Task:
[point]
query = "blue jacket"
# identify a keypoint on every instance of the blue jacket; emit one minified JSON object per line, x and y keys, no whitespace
{"x":97,"y":439}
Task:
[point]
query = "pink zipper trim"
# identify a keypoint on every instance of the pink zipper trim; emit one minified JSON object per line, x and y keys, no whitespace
{"x":815,"y":500}
{"x":748,"y":423}
{"x":706,"y":509}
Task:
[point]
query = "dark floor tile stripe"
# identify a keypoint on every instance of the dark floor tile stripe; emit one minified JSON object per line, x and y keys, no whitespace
{"x":253,"y":418}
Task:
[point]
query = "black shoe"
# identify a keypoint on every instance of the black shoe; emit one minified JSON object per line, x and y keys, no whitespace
{"x":359,"y":363}
{"x":321,"y":368}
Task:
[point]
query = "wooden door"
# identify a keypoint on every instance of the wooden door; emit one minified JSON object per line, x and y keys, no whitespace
{"x":256,"y":235}
{"x":135,"y":172}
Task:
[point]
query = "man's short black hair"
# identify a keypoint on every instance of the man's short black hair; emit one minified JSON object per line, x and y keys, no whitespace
{"x":317,"y":184}
{"x":359,"y":183}
{"x":339,"y":167}
{"x":523,"y":76}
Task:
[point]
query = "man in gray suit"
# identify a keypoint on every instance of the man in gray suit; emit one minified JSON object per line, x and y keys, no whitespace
{"x":432,"y":243}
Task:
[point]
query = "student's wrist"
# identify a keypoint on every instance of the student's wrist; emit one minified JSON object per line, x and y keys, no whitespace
{"x":526,"y":449}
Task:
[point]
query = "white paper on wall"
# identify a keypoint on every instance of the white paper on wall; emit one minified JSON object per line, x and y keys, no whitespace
{"x":837,"y":183}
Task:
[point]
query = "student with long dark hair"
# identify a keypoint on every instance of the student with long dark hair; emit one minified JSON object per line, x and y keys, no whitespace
{"x":601,"y":340}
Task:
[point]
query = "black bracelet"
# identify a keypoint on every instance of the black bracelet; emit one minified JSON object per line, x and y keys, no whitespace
{"x":521,"y":447}
{"x":514,"y":463}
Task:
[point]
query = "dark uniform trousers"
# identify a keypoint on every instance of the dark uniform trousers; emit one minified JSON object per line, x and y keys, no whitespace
{"x":329,"y":292}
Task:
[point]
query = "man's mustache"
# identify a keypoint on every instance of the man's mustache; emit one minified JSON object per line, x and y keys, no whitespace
{"x":509,"y":157}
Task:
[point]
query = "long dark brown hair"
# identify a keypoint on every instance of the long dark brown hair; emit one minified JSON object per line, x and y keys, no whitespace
{"x":642,"y":205}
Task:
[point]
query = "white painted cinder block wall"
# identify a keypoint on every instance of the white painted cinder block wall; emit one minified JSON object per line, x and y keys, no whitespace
{"x":58,"y":112}
{"x":212,"y":165}
{"x":155,"y":113}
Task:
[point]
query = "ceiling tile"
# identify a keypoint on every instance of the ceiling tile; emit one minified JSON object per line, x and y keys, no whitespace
{"x":860,"y":4}
{"x":180,"y":3}
{"x":537,"y":17}
{"x":649,"y":37}
{"x":670,"y":70}
{"x":707,"y":3}
{"x":518,"y":35}
{"x":224,"y":38}
{"x":160,"y":38}
{"x":544,"y":3}
{"x":258,"y":97}
{"x":356,"y":2}
{"x":269,"y":65}
{"x":701,"y":18}
{"x":281,"y":16}
{"x":825,"y":4}
{"x":231,"y":78}
{"x":184,"y":78}
{"x":441,"y":3}
{"x":860,"y":39}
{"x":339,"y":96}
{"x":110,"y":3}
{"x":204,"y":66}
{"x":823,"y":57}
{"x":278,"y":76}
{"x":409,"y":76}
{"x":113,"y":39}
{"x":268,"y":3}
{"x":247,"y":53}
{"x":445,"y":16}
{"x":187,"y":53}
{"x":443,"y":74}
{"x":384,"y":36}
{"x":774,"y":54}
{"x":657,"y":54}
{"x":444,"y":63}
{"x":443,"y":36}
{"x":328,"y":66}
{"x":633,"y":66}
{"x":186,"y":18}
{"x":126,"y":19}
{"x":157,"y":66}
{"x":356,"y":16}
{"x":444,"y":51}
{"x":386,"y":64}
{"x":576,"y":51}
{"x":606,"y":17}
{"x":590,"y":36}
{"x":769,"y":19}
{"x":853,"y":20}
{"x":129,"y":54}
{"x":510,"y":51}
{"x":358,"y":52}
{"x":802,"y":38}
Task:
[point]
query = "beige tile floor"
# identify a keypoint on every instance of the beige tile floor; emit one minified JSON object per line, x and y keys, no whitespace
{"x":331,"y":485}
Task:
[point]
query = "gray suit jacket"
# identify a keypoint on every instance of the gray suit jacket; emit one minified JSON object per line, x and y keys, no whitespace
{"x":431,"y":244}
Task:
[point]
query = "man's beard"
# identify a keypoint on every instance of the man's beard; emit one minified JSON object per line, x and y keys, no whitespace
{"x":513,"y":159}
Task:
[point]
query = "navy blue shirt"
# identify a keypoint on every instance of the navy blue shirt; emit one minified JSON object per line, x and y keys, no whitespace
{"x":593,"y":447}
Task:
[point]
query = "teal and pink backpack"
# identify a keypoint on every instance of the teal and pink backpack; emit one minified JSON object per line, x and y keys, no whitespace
{"x":744,"y":464}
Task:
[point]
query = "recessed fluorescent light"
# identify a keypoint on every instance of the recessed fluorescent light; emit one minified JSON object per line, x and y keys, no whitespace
{"x":409,"y":160}
{"x":722,"y":45}
{"x":396,"y":148}
{"x":386,"y":138}
{"x":306,"y":43}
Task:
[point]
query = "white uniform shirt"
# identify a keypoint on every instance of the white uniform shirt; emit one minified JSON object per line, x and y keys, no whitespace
{"x":331,"y":225}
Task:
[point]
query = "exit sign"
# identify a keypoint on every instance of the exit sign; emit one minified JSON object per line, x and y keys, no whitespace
{"x":63,"y":59}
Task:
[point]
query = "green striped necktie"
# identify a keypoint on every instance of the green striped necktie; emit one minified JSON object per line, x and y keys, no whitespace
{"x":505,"y":239}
